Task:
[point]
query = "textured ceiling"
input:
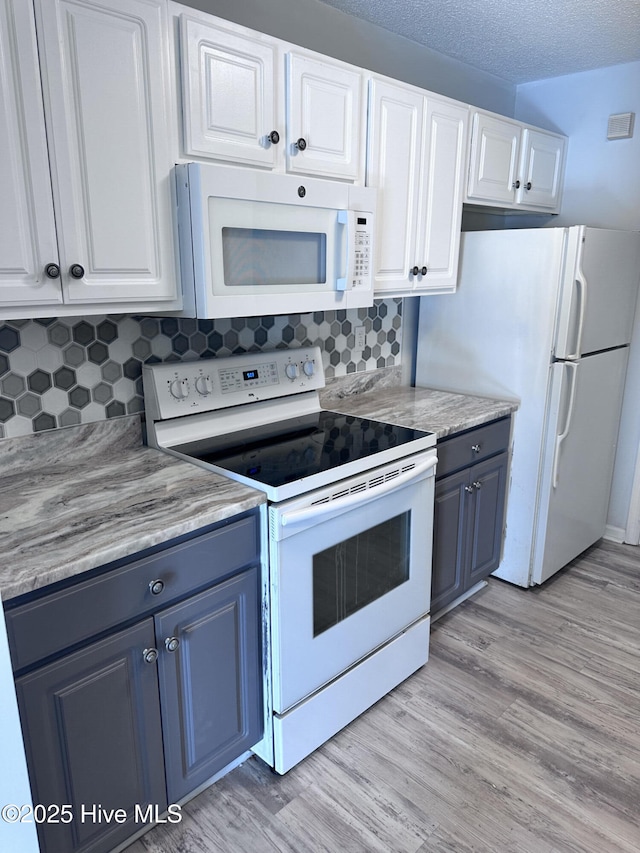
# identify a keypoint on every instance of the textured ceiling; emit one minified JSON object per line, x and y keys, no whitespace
{"x":518,"y":40}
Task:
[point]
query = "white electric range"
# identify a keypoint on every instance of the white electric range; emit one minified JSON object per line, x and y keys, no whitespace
{"x":350,"y":530}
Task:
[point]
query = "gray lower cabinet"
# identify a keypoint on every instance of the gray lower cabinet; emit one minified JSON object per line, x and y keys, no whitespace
{"x":137,"y":719}
{"x":470,"y":497}
{"x":209,"y":674}
{"x":91,"y":723}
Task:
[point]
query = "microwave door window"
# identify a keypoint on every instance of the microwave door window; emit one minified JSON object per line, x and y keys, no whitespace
{"x":260,"y":257}
{"x":257,"y":248}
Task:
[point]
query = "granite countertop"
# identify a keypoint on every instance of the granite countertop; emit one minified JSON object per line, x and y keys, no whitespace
{"x":77,"y":498}
{"x":74,"y":499}
{"x":383,"y":398}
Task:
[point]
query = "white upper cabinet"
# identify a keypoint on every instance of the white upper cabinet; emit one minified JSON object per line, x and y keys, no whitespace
{"x":233,"y":90}
{"x":493,"y":163}
{"x":442,"y":191}
{"x":417,"y":161}
{"x":541,"y":169}
{"x":108,"y":131}
{"x":27,"y":227}
{"x":326,"y":118}
{"x":252,"y":100}
{"x":513,"y":165}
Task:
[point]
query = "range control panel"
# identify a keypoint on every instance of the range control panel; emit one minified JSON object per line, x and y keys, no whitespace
{"x":183,"y":388}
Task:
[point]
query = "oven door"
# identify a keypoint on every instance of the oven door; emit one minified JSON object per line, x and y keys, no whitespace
{"x":350,"y":569}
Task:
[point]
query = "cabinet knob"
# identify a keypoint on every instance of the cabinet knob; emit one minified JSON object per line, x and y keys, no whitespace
{"x":423,"y":271}
{"x":515,"y":185}
{"x":171,"y":644}
{"x":468,"y":488}
{"x":477,"y":484}
{"x":52,"y":271}
{"x":156,"y":587}
{"x":150,"y":655}
{"x":527,"y":186}
{"x":274,"y":137}
{"x":475,"y":448}
{"x":300,"y":144}
{"x":76,"y":271}
{"x":415,"y":271}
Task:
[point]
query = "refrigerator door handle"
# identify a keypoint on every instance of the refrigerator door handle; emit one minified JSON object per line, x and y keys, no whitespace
{"x":573,"y":367}
{"x":581,"y":282}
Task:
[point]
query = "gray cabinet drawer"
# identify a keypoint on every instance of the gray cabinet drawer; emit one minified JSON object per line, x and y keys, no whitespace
{"x":472,"y":446}
{"x":61,"y":619}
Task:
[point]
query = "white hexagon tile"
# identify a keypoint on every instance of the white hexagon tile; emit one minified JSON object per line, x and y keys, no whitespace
{"x":66,"y":371}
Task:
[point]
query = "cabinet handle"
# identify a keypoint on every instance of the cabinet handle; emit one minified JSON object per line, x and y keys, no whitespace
{"x":274,"y":137}
{"x":52,"y":270}
{"x":171,"y":644}
{"x":156,"y":587}
{"x":515,"y":185}
{"x":477,"y":484}
{"x":475,"y":448}
{"x":468,"y":488}
{"x":527,"y":186}
{"x":150,"y":655}
{"x":300,"y":144}
{"x":76,"y":271}
{"x":415,"y":271}
{"x":423,"y":271}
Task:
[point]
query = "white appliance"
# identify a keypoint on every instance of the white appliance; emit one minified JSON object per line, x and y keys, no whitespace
{"x":258,"y":243}
{"x":542,"y":317}
{"x":350,"y":527}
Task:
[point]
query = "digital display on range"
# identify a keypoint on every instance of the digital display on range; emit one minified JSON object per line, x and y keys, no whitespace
{"x":249,"y":374}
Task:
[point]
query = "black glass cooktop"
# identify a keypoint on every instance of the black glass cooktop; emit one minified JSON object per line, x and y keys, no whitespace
{"x":280,"y":453}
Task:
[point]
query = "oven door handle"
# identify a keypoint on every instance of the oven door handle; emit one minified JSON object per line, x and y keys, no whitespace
{"x":317,"y":511}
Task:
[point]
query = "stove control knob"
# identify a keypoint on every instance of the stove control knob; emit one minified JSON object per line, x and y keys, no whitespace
{"x":179,"y":389}
{"x":292,"y":371}
{"x":203,"y":385}
{"x":309,"y":368}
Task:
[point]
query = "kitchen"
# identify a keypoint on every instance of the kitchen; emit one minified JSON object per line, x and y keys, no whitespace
{"x":132,"y":341}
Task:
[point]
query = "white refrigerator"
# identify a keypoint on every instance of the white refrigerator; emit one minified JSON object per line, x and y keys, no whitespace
{"x":543,"y":317}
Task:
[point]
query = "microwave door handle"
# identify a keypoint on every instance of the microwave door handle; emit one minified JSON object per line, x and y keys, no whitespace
{"x":317,"y":511}
{"x":343,"y":221}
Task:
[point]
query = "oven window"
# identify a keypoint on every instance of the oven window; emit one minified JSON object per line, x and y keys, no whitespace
{"x":256,"y":256}
{"x":357,"y":571}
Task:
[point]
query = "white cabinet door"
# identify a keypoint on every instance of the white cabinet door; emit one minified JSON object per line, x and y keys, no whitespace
{"x":325,"y":118}
{"x":232,"y":94}
{"x":393,"y":167}
{"x":541,"y":169}
{"x":27,"y":226}
{"x":108,"y":107}
{"x":417,"y":160}
{"x":493,"y":165}
{"x":442,"y":188}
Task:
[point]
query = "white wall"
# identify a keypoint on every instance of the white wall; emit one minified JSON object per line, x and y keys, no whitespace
{"x":602,"y":188}
{"x":14,"y":782}
{"x":320,"y":27}
{"x":602,"y":184}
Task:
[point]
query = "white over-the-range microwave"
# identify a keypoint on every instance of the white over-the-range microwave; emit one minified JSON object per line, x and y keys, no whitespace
{"x":257,"y":243}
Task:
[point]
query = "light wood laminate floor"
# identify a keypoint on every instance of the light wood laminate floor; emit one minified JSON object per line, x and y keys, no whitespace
{"x":521,"y":734}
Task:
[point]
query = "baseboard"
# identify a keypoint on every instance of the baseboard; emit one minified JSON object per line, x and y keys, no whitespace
{"x":614,"y":534}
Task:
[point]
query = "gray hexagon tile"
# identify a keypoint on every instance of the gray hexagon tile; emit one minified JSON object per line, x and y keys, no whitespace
{"x":67,"y":371}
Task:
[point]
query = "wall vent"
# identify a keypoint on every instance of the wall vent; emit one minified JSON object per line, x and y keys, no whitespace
{"x":620,"y":126}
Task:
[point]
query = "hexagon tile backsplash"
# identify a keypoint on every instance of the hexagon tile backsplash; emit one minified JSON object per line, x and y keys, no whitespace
{"x":72,"y":370}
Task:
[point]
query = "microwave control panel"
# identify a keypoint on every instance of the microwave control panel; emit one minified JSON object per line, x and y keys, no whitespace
{"x":208,"y":384}
{"x":361,"y":276}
